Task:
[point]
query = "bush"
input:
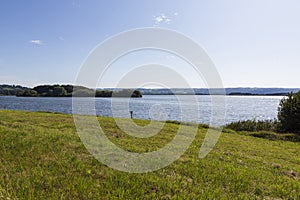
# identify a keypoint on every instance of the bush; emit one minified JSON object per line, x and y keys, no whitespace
{"x":254,"y":125}
{"x":289,"y":113}
{"x":262,"y":129}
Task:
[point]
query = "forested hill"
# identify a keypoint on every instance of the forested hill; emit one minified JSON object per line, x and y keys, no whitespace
{"x":11,"y":90}
{"x":64,"y":91}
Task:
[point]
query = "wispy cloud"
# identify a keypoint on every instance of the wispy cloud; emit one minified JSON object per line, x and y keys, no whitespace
{"x":161,"y":19}
{"x":61,"y":38}
{"x":37,"y":42}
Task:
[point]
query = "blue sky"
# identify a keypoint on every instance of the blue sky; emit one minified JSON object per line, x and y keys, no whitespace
{"x":252,"y":43}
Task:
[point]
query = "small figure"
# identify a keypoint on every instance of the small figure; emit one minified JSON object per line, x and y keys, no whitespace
{"x":131,"y":113}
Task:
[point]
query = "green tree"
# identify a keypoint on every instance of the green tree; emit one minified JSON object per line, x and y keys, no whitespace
{"x":136,"y":93}
{"x":27,"y":93}
{"x":127,"y":93}
{"x":59,"y":91}
{"x":103,"y":93}
{"x":289,"y":113}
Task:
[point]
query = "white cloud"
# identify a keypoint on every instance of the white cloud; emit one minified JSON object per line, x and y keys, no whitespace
{"x":161,"y":19}
{"x":61,"y":38}
{"x":158,"y":19}
{"x":168,"y":21}
{"x":37,"y":42}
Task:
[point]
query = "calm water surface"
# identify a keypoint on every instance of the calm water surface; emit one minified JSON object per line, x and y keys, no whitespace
{"x":158,"y":107}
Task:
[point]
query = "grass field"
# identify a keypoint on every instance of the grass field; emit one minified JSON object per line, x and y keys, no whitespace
{"x":42,"y":157}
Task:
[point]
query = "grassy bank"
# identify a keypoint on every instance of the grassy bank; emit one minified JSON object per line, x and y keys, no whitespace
{"x":42,"y":157}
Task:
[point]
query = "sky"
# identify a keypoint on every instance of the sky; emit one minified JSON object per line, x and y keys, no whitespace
{"x":252,"y":43}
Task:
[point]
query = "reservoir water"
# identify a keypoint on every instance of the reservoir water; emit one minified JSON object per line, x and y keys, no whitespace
{"x":157,"y":107}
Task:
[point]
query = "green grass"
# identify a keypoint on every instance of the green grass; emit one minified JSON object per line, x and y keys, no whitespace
{"x":42,"y":157}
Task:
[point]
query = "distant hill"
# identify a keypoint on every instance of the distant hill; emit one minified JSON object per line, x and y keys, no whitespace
{"x":228,"y":91}
{"x":261,"y":91}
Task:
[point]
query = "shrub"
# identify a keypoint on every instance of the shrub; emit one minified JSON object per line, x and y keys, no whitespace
{"x":254,"y":125}
{"x":289,"y":113}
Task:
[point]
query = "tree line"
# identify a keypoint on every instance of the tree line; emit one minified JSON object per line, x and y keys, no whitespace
{"x":11,"y":90}
{"x":65,"y":91}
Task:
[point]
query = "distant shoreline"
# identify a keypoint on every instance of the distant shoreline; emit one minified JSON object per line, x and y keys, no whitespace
{"x":67,"y":91}
{"x":262,"y":95}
